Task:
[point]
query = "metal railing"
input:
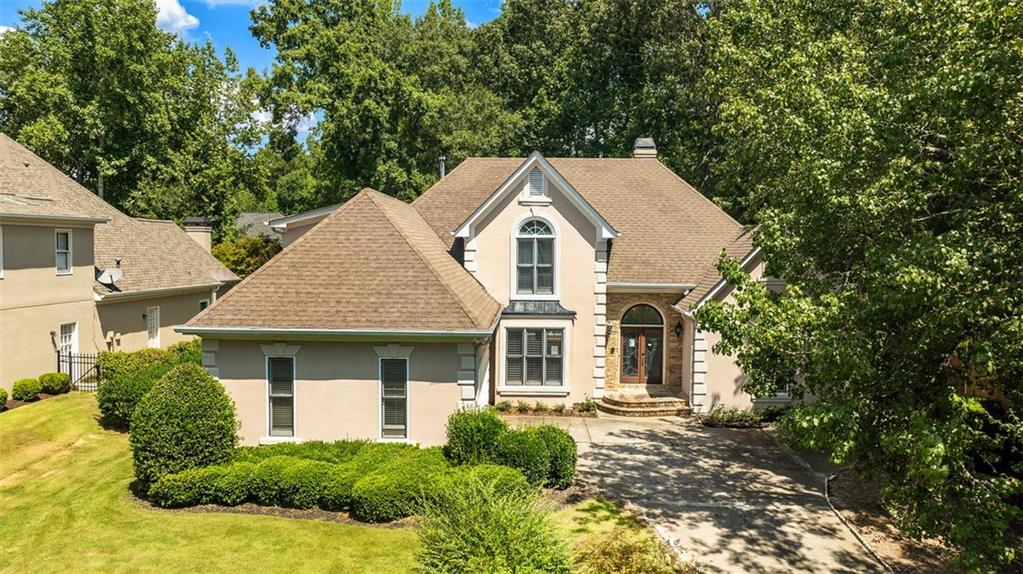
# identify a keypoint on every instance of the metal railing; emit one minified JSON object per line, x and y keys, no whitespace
{"x":82,"y":369}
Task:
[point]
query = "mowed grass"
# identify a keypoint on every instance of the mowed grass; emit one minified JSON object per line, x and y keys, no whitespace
{"x":65,"y":507}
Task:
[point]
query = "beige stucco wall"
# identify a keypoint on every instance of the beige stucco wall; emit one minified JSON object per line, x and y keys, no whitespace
{"x":674,"y":357}
{"x":121,"y":327}
{"x":489,"y":256}
{"x":337,"y":389}
{"x":35,"y":300}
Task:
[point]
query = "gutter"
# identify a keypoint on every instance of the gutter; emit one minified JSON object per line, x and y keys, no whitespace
{"x":148,"y":293}
{"x":391,"y":334}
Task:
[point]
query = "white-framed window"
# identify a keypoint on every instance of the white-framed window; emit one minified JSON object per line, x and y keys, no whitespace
{"x":536,"y":184}
{"x":394,"y":398}
{"x":63,"y":251}
{"x":534,"y":258}
{"x":534,"y":357}
{"x":67,"y":346}
{"x":203,"y":304}
{"x":153,"y":326}
{"x":280,"y":378}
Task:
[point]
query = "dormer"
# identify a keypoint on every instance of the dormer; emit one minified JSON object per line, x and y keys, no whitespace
{"x":534,"y":189}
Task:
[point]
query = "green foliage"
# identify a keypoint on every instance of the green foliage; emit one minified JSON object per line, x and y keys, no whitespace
{"x":558,"y":408}
{"x":877,"y":144}
{"x":477,"y":527}
{"x":503,"y":406}
{"x":26,"y":389}
{"x":185,"y":421}
{"x":472,"y":436}
{"x":588,"y":405}
{"x":619,"y":550}
{"x":540,"y":408}
{"x":243,"y":254}
{"x":55,"y":383}
{"x":234,"y":485}
{"x":527,"y":451}
{"x":503,"y":479}
{"x":727,"y":416}
{"x":522,"y":406}
{"x":563,"y":455}
{"x":3,"y":398}
{"x":396,"y":490}
{"x":127,"y":377}
{"x":155,"y":125}
{"x":187,"y":488}
{"x":334,"y":452}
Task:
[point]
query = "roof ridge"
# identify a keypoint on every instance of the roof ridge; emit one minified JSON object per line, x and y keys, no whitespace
{"x":301,"y":239}
{"x":415,"y":249}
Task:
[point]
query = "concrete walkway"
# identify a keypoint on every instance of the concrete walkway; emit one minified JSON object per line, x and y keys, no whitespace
{"x":733,"y":499}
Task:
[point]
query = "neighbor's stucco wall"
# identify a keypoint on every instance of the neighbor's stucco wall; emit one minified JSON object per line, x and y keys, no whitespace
{"x":337,"y":388}
{"x":35,"y":300}
{"x":122,"y":328}
{"x":489,"y":256}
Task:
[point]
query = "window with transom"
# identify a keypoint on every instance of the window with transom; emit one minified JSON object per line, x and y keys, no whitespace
{"x":535,"y":259}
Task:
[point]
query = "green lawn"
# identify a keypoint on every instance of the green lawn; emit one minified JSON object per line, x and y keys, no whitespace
{"x":65,"y":506}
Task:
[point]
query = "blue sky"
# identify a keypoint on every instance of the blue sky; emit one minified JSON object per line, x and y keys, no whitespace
{"x":226,"y":22}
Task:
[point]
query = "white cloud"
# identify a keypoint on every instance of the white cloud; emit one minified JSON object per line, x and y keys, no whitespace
{"x":306,"y":124}
{"x":172,"y":17}
{"x":5,"y":29}
{"x":214,"y":3}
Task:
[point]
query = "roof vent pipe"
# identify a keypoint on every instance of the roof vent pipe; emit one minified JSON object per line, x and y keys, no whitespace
{"x":442,"y":159}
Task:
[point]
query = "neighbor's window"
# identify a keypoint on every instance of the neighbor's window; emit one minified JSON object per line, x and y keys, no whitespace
{"x":534,"y":357}
{"x":394,"y":398}
{"x":535,"y":259}
{"x":63,"y":251}
{"x":203,"y":304}
{"x":281,"y":375}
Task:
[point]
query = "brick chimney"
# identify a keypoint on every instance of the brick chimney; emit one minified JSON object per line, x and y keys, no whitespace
{"x":644,"y":148}
{"x":201,"y":230}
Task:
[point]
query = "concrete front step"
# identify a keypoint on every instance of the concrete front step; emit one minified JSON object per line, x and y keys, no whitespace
{"x":627,"y":401}
{"x":641,"y":410}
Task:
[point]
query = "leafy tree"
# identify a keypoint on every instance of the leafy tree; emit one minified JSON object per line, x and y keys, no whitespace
{"x":879,"y":146}
{"x":244,"y":254}
{"x":152,"y":124}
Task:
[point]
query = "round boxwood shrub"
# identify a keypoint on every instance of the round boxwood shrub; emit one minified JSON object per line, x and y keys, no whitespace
{"x":397,"y":490}
{"x":188,"y":488}
{"x":526,"y":451}
{"x":337,"y":489}
{"x":185,"y":421}
{"x":26,"y":389}
{"x":472,"y":436}
{"x":55,"y":383}
{"x":563,"y":454}
{"x":234,"y":486}
{"x":268,"y":480}
{"x":302,"y":483}
{"x":3,"y":398}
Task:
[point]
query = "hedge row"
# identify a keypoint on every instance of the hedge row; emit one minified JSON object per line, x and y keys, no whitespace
{"x":382,"y":482}
{"x":127,"y":377}
{"x":545,"y":454}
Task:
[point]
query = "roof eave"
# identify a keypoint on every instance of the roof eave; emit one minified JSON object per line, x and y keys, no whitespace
{"x":8,"y":217}
{"x":120,"y":296}
{"x":260,"y":333}
{"x":632,"y":287}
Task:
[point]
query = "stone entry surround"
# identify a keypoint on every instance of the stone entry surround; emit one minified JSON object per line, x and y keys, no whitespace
{"x":617,"y":305}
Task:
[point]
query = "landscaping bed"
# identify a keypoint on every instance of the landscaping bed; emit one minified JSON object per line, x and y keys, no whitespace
{"x":587,"y":408}
{"x":742,"y":418}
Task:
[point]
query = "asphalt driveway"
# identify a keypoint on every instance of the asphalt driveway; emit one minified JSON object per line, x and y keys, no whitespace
{"x":732,"y":499}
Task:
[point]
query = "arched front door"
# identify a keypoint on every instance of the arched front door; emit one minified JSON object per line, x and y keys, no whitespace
{"x":642,"y":346}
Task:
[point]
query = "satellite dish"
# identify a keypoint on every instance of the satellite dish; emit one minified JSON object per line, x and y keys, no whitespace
{"x":110,"y":276}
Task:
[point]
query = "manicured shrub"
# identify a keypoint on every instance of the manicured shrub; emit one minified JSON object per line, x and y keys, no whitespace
{"x":563,"y":454}
{"x":333,"y":452}
{"x":185,"y":421}
{"x":473,"y":527}
{"x":126,"y":377}
{"x":337,"y":490}
{"x":526,"y":451}
{"x":503,"y":479}
{"x":268,"y":480}
{"x":26,"y":389}
{"x":398,"y":489}
{"x":188,"y":488}
{"x":3,"y":399}
{"x":55,"y":383}
{"x":622,"y":551}
{"x":302,"y":483}
{"x":472,"y":436}
{"x":234,"y":486}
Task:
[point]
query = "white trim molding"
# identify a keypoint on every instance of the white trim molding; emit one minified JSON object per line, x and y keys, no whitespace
{"x":393,"y":351}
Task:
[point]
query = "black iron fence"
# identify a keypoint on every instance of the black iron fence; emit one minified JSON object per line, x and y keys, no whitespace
{"x":82,"y":369}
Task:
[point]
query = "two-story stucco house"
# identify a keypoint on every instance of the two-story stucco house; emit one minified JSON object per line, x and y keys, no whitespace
{"x":537,"y":279}
{"x":78,"y":276}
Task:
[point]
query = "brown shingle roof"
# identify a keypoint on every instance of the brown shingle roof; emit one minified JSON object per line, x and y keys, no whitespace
{"x":170,"y":235}
{"x":31,"y":186}
{"x":738,"y":248}
{"x":670,"y":232}
{"x":372,"y":264}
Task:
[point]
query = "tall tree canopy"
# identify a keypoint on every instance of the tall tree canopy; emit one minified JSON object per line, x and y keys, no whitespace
{"x":880,"y":146}
{"x":154,"y":125}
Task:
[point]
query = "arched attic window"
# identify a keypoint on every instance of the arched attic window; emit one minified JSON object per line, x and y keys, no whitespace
{"x":534,"y":258}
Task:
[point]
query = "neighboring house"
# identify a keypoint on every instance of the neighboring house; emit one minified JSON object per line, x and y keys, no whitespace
{"x":256,"y":223}
{"x":529,"y":279}
{"x":79,"y":276}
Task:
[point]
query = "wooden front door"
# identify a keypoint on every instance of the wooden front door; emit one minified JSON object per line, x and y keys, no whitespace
{"x":642,"y":355}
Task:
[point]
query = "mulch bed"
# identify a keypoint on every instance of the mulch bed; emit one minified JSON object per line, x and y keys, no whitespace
{"x":707,"y":422}
{"x":859,"y":502}
{"x":13,"y":403}
{"x":532,"y":413}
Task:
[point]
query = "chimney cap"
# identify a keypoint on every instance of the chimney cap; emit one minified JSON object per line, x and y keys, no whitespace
{"x":198,"y":221}
{"x":644,"y":147}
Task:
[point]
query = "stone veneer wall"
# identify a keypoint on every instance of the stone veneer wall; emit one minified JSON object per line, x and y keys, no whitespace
{"x":617,"y":305}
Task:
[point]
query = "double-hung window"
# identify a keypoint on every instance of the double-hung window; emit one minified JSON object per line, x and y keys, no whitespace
{"x":535,"y":259}
{"x":63,"y":251}
{"x":534,"y":357}
{"x":281,"y":381}
{"x":394,"y":398}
